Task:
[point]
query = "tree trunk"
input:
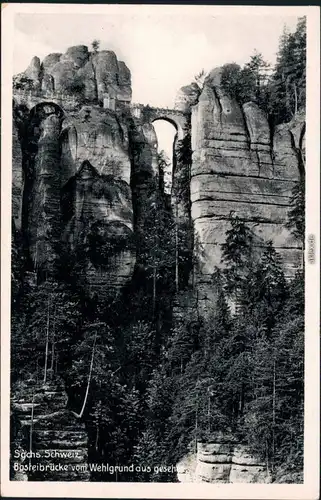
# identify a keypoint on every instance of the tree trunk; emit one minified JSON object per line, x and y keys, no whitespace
{"x":37,"y":371}
{"x":176,"y":250}
{"x":295,"y":99}
{"x":273,"y":414}
{"x":267,"y":455}
{"x":97,"y":436}
{"x":47,"y":343}
{"x":154,"y":289}
{"x":53,"y":342}
{"x":193,"y":275}
{"x":89,"y":378}
{"x":98,"y":421}
{"x":31,"y":424}
{"x":196,"y":425}
{"x":240,"y":400}
{"x":36,"y":256}
{"x":287,"y":97}
{"x":56,"y":368}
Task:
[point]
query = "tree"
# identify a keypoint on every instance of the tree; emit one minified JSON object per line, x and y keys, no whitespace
{"x":181,"y":203}
{"x":184,"y":341}
{"x":200,"y":78}
{"x":53,"y":322}
{"x":259,"y":68}
{"x":269,"y":289}
{"x":296,"y":215}
{"x":163,"y":163}
{"x":237,"y":255}
{"x":95,"y":45}
{"x":238,"y":83}
{"x":287,"y":87}
{"x":248,"y":83}
{"x":141,"y":353}
{"x":23,"y":83}
{"x":158,"y":249}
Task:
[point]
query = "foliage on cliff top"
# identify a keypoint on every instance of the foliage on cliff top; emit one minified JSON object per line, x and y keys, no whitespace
{"x":279,"y":91}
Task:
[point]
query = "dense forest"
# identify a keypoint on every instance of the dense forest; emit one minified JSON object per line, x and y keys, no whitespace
{"x":148,"y":387}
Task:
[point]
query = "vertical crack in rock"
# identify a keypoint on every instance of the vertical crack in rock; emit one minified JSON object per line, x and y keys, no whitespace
{"x":302,"y":134}
{"x":217,"y":98}
{"x":298,"y":153}
{"x":246,"y":129}
{"x":272,"y":130}
{"x":258,"y":159}
{"x":94,"y":78}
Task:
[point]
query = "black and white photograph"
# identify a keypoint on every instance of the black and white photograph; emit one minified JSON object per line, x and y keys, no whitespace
{"x":159,"y":240}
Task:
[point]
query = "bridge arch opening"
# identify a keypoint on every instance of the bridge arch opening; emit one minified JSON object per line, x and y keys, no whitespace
{"x":166,"y":133}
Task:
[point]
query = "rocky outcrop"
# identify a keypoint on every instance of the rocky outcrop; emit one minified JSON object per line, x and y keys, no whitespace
{"x":33,"y":72}
{"x":42,"y":210}
{"x":50,"y":444}
{"x":187,"y":97}
{"x":75,"y":159}
{"x":240,"y":165}
{"x":222,"y":461}
{"x":17,"y":181}
{"x":96,"y":135}
{"x":90,"y":76}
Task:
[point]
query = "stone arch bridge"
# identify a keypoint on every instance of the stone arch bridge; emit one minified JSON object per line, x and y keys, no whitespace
{"x":148,"y":114}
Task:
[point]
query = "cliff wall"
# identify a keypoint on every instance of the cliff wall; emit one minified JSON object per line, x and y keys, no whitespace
{"x":241,"y":165}
{"x":71,"y":162}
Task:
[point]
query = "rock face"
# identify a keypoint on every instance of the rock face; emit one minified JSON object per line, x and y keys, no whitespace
{"x":88,"y":75}
{"x":240,"y":165}
{"x":44,"y":195}
{"x":53,"y":434}
{"x":89,"y":164}
{"x":75,"y":160}
{"x":187,"y":97}
{"x":17,"y":182}
{"x":223,"y":461}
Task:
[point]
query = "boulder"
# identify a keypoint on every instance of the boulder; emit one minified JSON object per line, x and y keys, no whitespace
{"x":187,"y":97}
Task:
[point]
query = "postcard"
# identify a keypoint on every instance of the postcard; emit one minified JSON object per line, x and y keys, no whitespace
{"x":160,"y":251}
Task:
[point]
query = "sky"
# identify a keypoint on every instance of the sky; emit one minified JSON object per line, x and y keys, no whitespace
{"x":163,"y":48}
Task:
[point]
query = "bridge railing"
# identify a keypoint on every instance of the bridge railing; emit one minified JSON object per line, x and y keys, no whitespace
{"x":135,"y":105}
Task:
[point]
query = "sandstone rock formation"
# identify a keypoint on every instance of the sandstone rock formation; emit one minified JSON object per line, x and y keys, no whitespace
{"x":222,"y":461}
{"x":240,"y":165}
{"x":17,"y":182}
{"x":75,"y":160}
{"x":45,"y":427}
{"x":187,"y":97}
{"x":88,"y":75}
